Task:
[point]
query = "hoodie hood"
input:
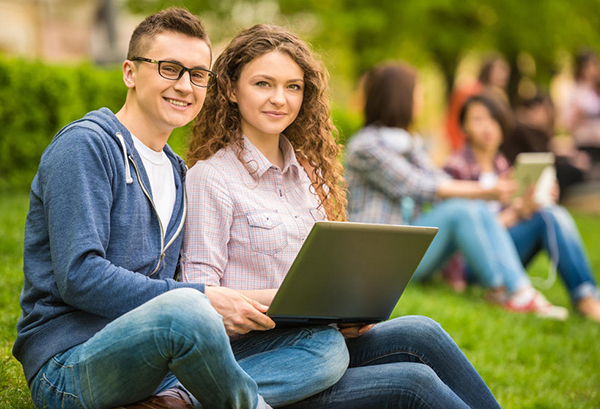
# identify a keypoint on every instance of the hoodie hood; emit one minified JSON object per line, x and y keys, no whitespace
{"x":105,"y":119}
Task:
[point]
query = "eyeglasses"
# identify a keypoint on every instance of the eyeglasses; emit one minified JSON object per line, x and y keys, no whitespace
{"x":173,"y":71}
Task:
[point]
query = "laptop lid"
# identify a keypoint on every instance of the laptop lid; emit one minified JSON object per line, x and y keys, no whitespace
{"x":349,"y":272}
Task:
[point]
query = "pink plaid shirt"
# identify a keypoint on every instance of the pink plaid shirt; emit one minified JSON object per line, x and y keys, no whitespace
{"x":246,"y":219}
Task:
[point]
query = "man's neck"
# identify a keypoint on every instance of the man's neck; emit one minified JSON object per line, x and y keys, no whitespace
{"x":141,"y":126}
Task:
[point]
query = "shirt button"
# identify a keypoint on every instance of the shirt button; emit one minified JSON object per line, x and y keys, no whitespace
{"x":269,"y":222}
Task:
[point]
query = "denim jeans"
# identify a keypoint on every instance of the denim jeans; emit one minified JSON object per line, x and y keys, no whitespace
{"x":407,"y":362}
{"x":468,"y":226}
{"x":179,"y":337}
{"x":554,"y":230}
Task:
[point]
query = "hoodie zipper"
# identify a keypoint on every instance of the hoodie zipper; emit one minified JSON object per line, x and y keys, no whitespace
{"x":163,"y":248}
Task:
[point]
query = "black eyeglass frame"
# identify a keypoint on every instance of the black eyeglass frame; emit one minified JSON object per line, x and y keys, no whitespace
{"x":212,"y":77}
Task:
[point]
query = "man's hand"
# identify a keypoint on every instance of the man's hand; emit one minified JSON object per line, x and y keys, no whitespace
{"x":354,"y":330}
{"x":240,"y":314}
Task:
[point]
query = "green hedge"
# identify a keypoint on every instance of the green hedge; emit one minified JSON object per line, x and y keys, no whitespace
{"x":38,"y":99}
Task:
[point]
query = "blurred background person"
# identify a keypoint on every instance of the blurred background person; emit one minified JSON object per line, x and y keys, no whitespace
{"x":531,"y":227}
{"x":534,"y":131}
{"x":493,"y":78}
{"x":390,"y":177}
{"x":582,"y":111}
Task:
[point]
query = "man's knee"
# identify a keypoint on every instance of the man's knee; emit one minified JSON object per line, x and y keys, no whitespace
{"x":186,"y":308}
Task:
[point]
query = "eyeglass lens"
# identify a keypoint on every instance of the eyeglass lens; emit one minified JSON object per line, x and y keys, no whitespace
{"x":174,"y":71}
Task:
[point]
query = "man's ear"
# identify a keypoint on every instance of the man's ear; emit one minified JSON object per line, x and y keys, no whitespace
{"x":129,"y":74}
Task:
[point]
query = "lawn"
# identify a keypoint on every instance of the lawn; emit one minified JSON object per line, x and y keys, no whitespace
{"x":526,"y":361}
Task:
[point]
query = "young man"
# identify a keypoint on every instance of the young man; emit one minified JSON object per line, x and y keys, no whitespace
{"x":104,"y":323}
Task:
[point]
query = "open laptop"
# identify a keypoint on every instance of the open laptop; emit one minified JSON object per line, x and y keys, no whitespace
{"x":349,"y":273}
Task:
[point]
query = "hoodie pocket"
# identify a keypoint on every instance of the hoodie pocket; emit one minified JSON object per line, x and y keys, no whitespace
{"x":268,"y":234}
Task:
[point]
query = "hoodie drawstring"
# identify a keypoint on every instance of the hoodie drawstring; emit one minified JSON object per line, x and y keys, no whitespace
{"x":128,"y":177}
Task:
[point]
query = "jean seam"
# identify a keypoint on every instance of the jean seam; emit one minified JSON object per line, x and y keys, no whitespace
{"x":250,"y":346}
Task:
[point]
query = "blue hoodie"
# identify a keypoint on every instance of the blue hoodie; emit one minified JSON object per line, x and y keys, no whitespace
{"x":94,"y":245}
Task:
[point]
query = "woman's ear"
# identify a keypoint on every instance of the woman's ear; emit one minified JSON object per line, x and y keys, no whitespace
{"x":232,"y":96}
{"x":129,"y":74}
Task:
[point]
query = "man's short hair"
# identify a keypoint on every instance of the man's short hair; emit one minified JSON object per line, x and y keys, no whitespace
{"x":173,"y":19}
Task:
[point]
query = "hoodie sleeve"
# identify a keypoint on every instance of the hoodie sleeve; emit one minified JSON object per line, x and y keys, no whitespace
{"x":77,"y":177}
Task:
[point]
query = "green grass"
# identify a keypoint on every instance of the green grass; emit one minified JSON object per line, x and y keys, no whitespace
{"x":526,"y":361}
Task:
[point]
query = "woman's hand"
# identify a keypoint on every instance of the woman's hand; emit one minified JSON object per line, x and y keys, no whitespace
{"x":354,"y":330}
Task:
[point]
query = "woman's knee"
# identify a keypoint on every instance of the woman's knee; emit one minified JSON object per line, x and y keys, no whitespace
{"x":329,"y":346}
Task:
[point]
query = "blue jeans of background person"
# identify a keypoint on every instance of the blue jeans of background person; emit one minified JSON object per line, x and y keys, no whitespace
{"x":407,"y":362}
{"x":179,"y":333}
{"x":468,"y":226}
{"x":554,"y":230}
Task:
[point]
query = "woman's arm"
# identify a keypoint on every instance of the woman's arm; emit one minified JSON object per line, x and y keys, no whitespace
{"x":503,"y":191}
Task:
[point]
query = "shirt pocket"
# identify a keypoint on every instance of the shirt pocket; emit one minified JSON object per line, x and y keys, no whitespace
{"x":268,"y":233}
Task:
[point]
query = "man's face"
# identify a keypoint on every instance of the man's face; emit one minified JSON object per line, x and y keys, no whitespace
{"x":166,"y":104}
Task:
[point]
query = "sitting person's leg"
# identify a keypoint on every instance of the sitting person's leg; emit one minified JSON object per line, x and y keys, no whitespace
{"x":292,"y":364}
{"x":128,"y":360}
{"x":469,"y":227}
{"x":554,"y":230}
{"x":407,"y":362}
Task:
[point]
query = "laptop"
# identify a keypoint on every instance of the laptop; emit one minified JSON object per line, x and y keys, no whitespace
{"x":349,"y":273}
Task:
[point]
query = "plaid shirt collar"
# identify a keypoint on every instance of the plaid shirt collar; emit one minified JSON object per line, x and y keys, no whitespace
{"x":257,"y":164}
{"x":471,"y":166}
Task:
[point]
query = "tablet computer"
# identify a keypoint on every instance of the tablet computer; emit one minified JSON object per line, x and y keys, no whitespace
{"x":349,"y":273}
{"x":529,"y":167}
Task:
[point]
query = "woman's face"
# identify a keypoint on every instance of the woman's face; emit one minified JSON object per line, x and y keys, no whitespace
{"x":269,"y":94}
{"x":482,"y":130}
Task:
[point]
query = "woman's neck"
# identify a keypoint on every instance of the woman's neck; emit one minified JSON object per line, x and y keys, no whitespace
{"x":268,"y":145}
{"x":485,"y":158}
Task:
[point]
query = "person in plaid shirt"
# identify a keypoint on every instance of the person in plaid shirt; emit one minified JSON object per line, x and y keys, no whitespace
{"x":531,"y":227}
{"x":390,"y":177}
{"x":264,"y":168}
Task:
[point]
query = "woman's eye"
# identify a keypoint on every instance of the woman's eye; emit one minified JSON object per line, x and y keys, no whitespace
{"x":296,"y":87}
{"x":262,"y":83}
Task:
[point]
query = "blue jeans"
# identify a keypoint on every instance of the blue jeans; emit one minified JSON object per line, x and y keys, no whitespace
{"x":468,"y":226}
{"x":179,"y":337}
{"x":407,"y":362}
{"x":554,"y":230}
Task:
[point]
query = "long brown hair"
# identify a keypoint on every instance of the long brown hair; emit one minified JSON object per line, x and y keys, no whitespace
{"x":312,"y":134}
{"x":389,"y":95}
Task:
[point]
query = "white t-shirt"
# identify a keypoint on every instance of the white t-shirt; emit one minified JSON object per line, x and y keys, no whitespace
{"x":162,"y":181}
{"x":488,"y":180}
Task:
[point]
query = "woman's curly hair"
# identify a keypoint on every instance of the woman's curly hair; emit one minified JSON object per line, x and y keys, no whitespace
{"x":312,"y":134}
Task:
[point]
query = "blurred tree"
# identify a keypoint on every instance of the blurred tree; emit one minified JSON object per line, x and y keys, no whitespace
{"x":356,"y":34}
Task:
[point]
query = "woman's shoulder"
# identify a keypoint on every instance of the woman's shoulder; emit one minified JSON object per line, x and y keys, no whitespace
{"x":396,"y":139}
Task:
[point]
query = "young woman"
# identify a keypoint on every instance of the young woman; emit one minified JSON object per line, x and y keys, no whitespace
{"x":531,"y":228}
{"x":252,"y":203}
{"x":390,"y":177}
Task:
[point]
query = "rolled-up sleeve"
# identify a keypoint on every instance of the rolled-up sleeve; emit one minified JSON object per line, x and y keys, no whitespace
{"x":206,"y":234}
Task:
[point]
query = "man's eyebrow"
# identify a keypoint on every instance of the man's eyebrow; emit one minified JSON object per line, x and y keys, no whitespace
{"x":204,"y":67}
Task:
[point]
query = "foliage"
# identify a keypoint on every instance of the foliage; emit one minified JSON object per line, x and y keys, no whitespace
{"x":357,"y":34}
{"x":36,"y":100}
{"x":527,"y":362}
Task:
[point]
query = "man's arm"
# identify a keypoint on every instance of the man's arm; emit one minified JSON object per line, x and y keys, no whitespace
{"x":77,"y":178}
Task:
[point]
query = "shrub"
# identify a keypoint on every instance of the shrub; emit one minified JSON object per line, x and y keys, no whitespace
{"x":38,"y":99}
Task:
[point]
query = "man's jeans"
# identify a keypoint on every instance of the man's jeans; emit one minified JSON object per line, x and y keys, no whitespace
{"x":470,"y":227}
{"x":408,"y":362}
{"x":180,"y":333}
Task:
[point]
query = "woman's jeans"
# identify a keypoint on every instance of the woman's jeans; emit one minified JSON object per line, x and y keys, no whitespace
{"x":407,"y":362}
{"x":179,"y":333}
{"x":468,"y":226}
{"x":554,"y":230}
